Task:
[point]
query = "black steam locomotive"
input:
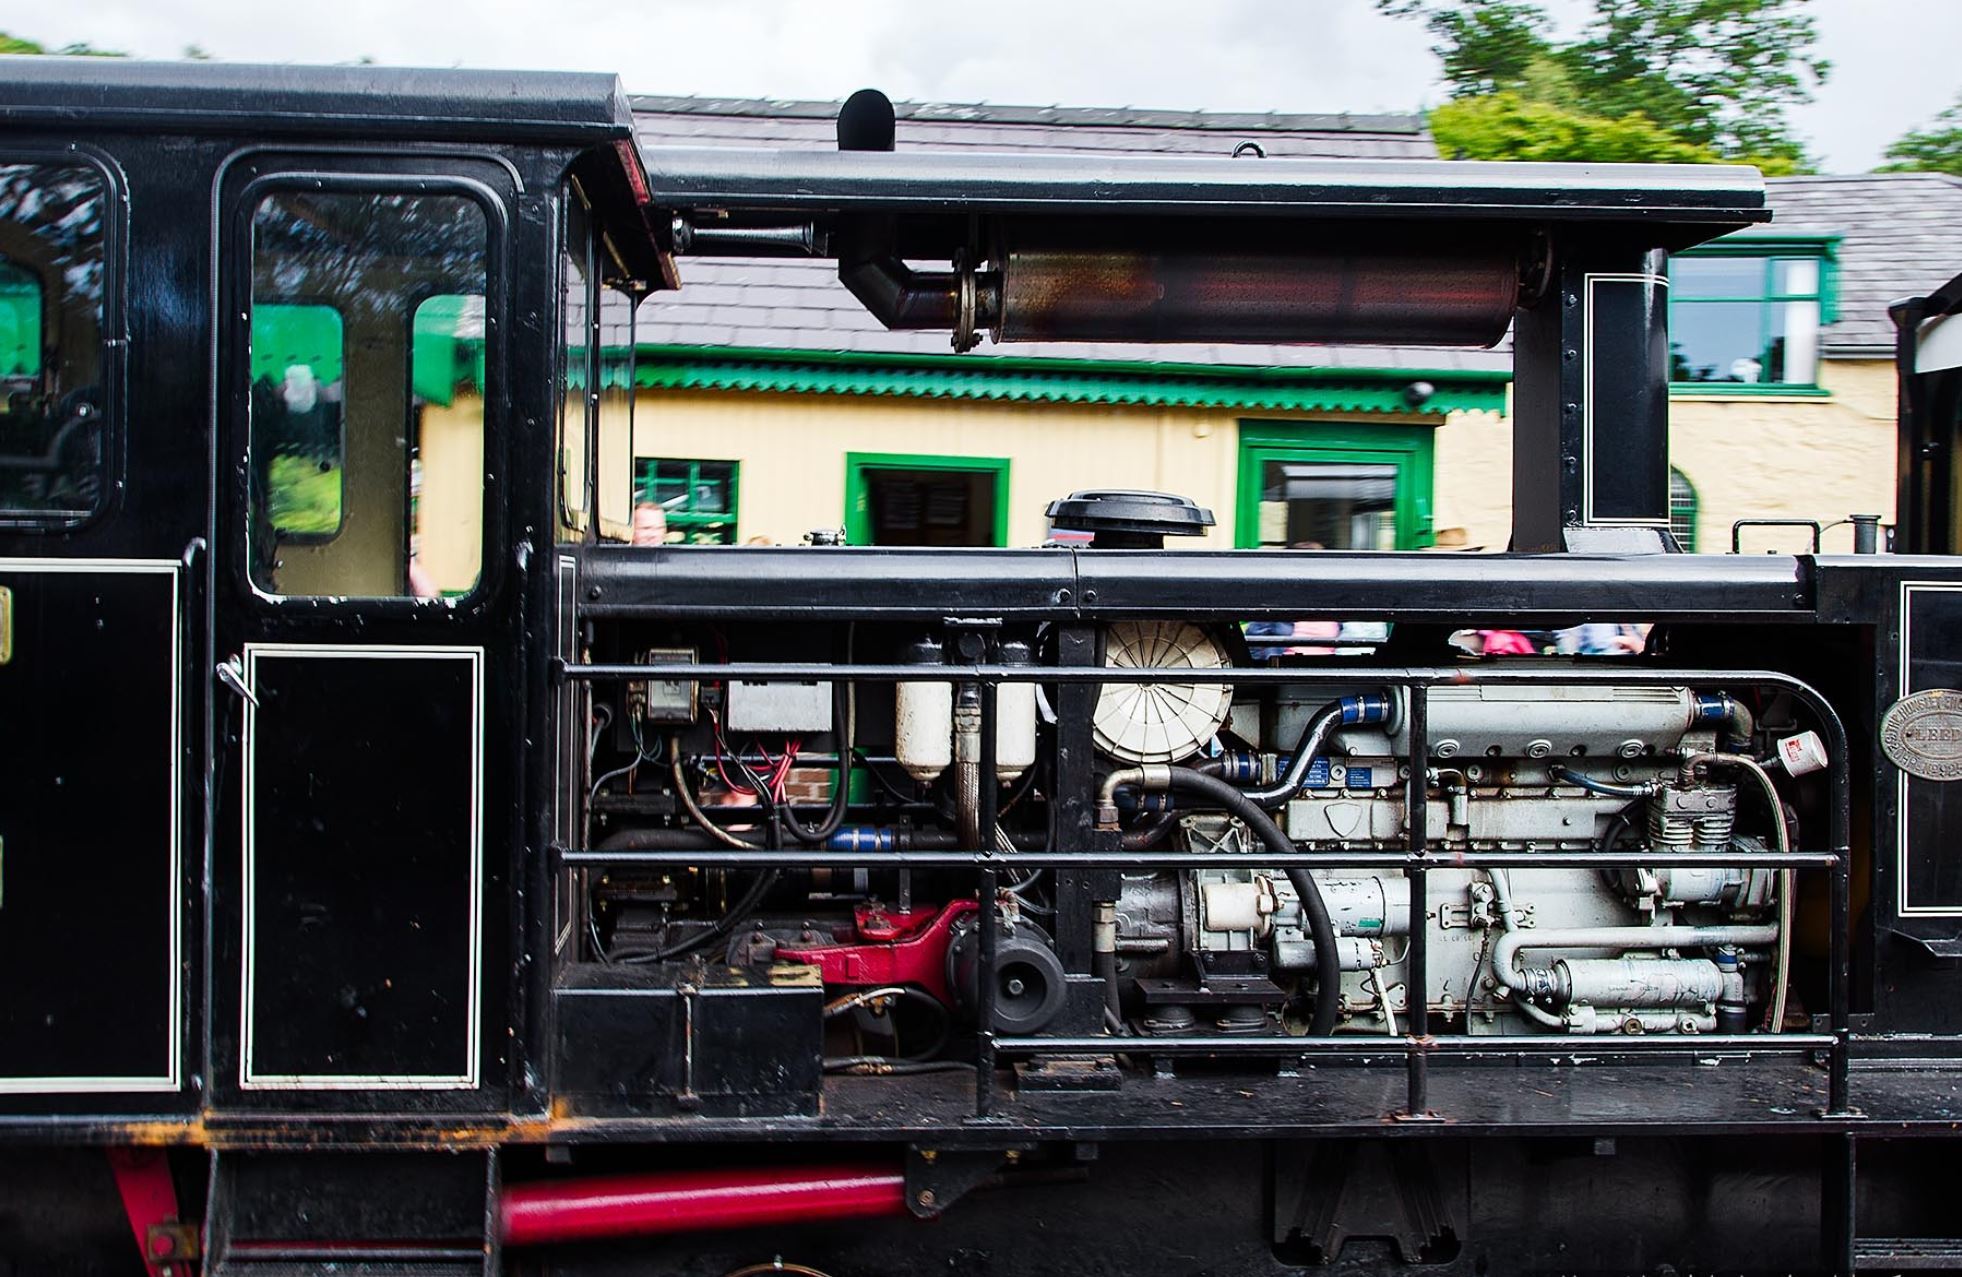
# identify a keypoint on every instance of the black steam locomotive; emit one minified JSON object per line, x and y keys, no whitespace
{"x":402,"y":872}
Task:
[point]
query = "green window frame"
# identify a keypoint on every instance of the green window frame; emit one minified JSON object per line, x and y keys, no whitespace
{"x":1770,"y":306}
{"x":1683,"y":505}
{"x":1411,"y":449}
{"x":858,"y":503}
{"x":699,"y":521}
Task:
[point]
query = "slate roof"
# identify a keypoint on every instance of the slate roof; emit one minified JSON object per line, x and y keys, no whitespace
{"x":799,"y":305}
{"x":1902,"y":236}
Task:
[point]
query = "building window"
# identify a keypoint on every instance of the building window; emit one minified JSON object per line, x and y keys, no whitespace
{"x":697,"y":497}
{"x":903,"y":499}
{"x":1682,"y":510}
{"x":1328,"y":486}
{"x":1742,"y":314}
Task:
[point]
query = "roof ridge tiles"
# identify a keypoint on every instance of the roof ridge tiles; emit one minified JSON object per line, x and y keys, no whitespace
{"x":1056,"y":115}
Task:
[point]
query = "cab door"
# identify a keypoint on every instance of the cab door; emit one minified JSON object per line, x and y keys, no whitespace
{"x":368,"y":625}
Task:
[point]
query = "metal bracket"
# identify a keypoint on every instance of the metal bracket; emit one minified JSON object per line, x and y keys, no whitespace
{"x":172,"y":1242}
{"x":936,"y":1178}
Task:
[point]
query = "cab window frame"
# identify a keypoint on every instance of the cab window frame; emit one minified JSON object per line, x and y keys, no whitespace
{"x":422,"y":176}
{"x":113,"y":353}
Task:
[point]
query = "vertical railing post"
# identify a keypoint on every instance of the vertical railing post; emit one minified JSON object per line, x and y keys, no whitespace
{"x":984,"y":975}
{"x":1417,"y":800}
{"x":1840,"y":981}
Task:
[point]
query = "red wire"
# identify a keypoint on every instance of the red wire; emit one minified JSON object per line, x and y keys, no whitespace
{"x":715,"y":721}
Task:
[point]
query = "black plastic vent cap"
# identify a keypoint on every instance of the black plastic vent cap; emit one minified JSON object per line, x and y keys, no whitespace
{"x":1120,"y":518}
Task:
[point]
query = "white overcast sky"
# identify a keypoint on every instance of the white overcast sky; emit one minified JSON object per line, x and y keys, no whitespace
{"x":1895,"y":60}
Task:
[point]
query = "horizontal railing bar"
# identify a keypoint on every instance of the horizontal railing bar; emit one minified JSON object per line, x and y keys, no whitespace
{"x":1424,"y":676}
{"x":820,"y":857}
{"x":1497,"y":1044}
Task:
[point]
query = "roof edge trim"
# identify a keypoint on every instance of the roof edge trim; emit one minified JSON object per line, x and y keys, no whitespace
{"x":1144,"y":384}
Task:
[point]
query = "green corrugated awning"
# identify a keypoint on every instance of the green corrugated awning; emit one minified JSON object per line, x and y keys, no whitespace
{"x":447,"y":352}
{"x":290,"y":334}
{"x":1068,"y":381}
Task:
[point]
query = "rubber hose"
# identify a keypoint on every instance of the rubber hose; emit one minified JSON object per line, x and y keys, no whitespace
{"x":1314,"y":910}
{"x":841,"y":735}
{"x":1104,"y":967}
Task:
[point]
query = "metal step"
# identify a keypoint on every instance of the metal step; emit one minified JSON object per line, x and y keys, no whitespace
{"x":363,"y":1262}
{"x":352,"y":1213}
{"x":1908,"y":1254}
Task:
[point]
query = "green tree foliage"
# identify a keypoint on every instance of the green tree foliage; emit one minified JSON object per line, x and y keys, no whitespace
{"x":1643,"y":80}
{"x":15,"y":44}
{"x":1934,"y":149}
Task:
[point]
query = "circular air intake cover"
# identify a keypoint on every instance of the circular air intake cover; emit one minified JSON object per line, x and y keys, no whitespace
{"x":1122,"y":519}
{"x":1160,"y":722}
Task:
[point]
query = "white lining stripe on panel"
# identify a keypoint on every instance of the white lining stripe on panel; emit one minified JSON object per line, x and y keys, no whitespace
{"x":1908,"y":590}
{"x":250,"y":1080}
{"x":173,"y":1080}
{"x":1587,"y":398}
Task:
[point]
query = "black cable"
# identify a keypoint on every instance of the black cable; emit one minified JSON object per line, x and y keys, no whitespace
{"x":840,"y":787}
{"x":880,"y":1066}
{"x":719,"y":929}
{"x":740,"y":911}
{"x":1314,"y":910}
{"x":943,"y":1023}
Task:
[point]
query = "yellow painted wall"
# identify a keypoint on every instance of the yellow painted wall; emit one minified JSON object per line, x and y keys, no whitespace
{"x":1800,"y":458}
{"x":450,"y":505}
{"x":1747,"y":456}
{"x":792,"y":451}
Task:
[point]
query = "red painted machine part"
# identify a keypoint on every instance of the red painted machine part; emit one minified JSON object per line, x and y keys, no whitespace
{"x":687,"y":1201}
{"x":918,"y":957}
{"x":150,"y":1202}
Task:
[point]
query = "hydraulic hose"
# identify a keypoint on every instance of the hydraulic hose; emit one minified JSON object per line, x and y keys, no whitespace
{"x":1781,"y":976}
{"x":1370,"y":707}
{"x":1608,"y":789}
{"x":1314,"y":911}
{"x":1313,"y":737}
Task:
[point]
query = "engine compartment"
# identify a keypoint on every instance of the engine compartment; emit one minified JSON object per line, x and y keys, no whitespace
{"x":854,"y":817}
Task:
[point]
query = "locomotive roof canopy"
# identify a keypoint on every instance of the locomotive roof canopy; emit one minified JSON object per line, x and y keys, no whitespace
{"x":331,"y":101}
{"x":1669,"y":205}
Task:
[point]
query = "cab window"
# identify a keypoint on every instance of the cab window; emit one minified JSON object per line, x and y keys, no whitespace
{"x":53,"y":285}
{"x":367,"y":364}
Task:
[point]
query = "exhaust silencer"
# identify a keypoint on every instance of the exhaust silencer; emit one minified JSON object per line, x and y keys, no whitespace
{"x":1298,"y":284}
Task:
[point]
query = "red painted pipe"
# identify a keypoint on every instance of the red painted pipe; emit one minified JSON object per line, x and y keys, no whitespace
{"x":687,"y":1201}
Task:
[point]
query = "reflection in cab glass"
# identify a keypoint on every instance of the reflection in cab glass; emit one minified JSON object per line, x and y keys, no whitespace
{"x":575,"y":350}
{"x":615,"y":405}
{"x":367,"y":372}
{"x":51,"y":341}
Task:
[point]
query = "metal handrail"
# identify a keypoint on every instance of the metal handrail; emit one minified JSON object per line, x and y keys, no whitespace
{"x":1416,"y":862}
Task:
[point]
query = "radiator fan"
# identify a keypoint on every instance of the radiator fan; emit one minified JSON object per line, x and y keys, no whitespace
{"x":1160,"y":722}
